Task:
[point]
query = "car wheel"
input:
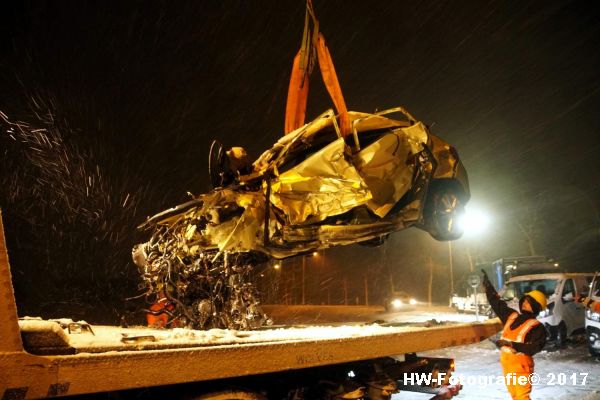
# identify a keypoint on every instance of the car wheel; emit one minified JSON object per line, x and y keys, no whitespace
{"x":442,"y":211}
{"x":594,"y":352}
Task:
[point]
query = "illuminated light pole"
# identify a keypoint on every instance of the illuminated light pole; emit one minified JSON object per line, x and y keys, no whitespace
{"x":316,"y":264}
{"x":451,"y":268}
{"x":276,"y":277}
{"x":303,"y":280}
{"x":366,"y":282}
{"x":314,"y":254}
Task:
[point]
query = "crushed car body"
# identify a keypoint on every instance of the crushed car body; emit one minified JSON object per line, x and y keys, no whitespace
{"x":313,"y":189}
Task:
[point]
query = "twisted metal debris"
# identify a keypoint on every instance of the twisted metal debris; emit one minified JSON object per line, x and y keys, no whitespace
{"x":206,"y":288}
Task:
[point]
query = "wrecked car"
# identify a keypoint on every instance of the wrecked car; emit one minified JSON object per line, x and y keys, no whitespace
{"x":313,"y":189}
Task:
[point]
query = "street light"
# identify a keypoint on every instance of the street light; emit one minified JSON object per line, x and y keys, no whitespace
{"x":474,"y":222}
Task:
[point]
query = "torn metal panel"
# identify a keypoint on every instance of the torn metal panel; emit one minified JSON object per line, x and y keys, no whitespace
{"x":275,"y":156}
{"x":388,"y":165}
{"x":364,"y":122}
{"x":447,"y":158}
{"x":324,"y":185}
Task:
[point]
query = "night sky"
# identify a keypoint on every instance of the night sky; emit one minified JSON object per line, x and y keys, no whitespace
{"x":131,"y":94}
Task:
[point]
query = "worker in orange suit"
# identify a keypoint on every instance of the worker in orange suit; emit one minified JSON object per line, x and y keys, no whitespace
{"x":522,"y":336}
{"x":158,"y":315}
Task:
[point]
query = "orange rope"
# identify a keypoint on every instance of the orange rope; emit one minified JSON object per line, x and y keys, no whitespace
{"x":295,"y":110}
{"x":332,"y":84}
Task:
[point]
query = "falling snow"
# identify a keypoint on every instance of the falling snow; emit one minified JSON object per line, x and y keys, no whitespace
{"x":108,"y":112}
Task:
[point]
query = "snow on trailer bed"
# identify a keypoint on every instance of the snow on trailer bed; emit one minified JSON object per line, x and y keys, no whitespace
{"x":205,"y":355}
{"x":64,"y":336}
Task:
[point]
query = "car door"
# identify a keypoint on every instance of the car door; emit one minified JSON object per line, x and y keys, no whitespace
{"x":573,"y":311}
{"x":582,"y":287}
{"x":322,"y":185}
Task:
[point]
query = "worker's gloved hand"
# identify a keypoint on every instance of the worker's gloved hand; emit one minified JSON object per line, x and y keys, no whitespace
{"x":502,"y":342}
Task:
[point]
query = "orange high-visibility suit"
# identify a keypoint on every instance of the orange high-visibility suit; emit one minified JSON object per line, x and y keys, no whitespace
{"x":514,"y":362}
{"x":522,"y":336}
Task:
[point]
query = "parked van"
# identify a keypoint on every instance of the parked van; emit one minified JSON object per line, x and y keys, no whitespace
{"x":565,"y":314}
{"x":592,"y":319}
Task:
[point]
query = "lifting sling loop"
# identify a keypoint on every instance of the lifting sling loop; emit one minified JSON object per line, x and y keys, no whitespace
{"x":313,"y":45}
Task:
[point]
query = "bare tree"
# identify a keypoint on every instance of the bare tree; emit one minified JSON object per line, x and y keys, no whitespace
{"x":527,"y":224}
{"x":529,"y":217}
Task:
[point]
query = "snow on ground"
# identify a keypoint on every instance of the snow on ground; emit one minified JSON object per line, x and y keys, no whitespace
{"x":475,"y":362}
{"x":319,"y":315}
{"x":419,"y":315}
{"x":478,"y":361}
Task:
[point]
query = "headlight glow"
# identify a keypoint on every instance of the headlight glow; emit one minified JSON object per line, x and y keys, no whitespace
{"x":594,"y":316}
{"x":397,"y":303}
{"x":412,"y":302}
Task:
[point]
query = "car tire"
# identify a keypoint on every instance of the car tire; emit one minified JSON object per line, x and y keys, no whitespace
{"x":443,"y":208}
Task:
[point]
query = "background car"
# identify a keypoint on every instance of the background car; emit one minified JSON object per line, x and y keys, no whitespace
{"x":398,"y":301}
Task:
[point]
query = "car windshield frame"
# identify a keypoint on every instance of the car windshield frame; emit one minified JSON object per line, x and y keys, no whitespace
{"x":520,"y":288}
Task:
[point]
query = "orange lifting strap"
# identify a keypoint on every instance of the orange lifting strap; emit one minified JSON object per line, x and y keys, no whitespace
{"x":313,"y":44}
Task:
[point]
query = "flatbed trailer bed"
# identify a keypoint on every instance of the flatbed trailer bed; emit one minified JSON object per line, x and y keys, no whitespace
{"x":40,"y":358}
